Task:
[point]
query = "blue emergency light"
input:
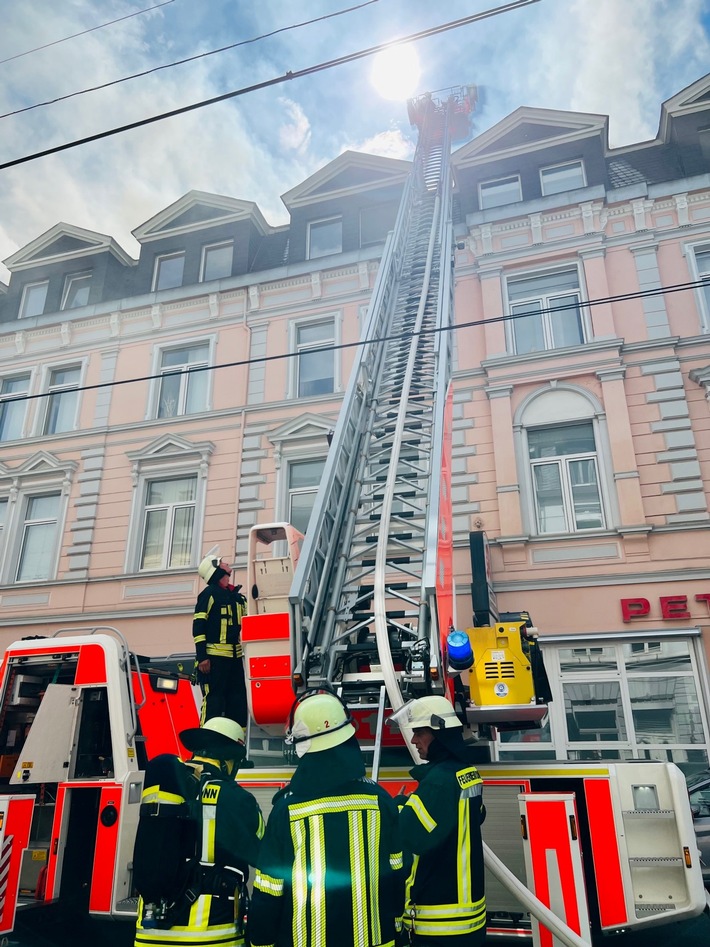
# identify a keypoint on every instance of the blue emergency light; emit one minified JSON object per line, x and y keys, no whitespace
{"x":460,"y":651}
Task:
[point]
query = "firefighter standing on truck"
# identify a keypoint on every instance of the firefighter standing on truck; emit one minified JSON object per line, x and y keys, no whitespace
{"x":216,"y":629}
{"x":330,"y":870}
{"x":440,"y":827}
{"x":199,"y":831}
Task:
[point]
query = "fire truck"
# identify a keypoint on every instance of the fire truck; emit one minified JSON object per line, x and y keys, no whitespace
{"x":364,"y":605}
{"x":80,"y":716}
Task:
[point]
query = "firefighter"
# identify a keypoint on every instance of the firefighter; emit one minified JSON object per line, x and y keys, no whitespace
{"x":216,"y":628}
{"x":440,"y":828}
{"x":330,"y":870}
{"x":199,"y":831}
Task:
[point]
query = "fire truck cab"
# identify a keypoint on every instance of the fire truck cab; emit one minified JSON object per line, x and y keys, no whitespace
{"x":79,"y":718}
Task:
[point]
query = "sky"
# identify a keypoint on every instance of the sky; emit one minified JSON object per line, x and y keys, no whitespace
{"x":620,"y":58}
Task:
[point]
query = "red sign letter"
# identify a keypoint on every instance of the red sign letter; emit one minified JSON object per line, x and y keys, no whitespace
{"x":704,"y":597}
{"x":674,"y":606}
{"x":634,"y":608}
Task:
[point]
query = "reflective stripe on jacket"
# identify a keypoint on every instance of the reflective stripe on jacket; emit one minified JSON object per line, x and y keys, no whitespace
{"x":217,"y":623}
{"x":330,"y":872}
{"x":230,"y":833}
{"x":440,"y":824}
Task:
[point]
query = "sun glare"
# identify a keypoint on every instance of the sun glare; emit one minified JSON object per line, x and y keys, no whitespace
{"x":395,"y":72}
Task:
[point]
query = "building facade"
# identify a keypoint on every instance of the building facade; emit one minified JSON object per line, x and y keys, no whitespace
{"x":151,"y":409}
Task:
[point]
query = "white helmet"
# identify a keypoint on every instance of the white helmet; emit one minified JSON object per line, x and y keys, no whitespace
{"x":433,"y":711}
{"x":209,"y":564}
{"x":318,"y":721}
{"x":220,"y":737}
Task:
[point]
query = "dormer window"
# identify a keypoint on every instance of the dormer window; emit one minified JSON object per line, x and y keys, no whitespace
{"x":562,"y":177}
{"x":168,"y":271}
{"x":325,"y":237}
{"x":501,"y":191}
{"x":216,"y":261}
{"x":76,"y":291}
{"x":34,"y":297}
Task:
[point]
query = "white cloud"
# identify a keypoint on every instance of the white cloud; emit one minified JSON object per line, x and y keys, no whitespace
{"x":296,"y":134}
{"x":389,"y":144}
{"x":615,"y":57}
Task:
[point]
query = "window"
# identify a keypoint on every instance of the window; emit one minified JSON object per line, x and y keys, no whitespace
{"x":304,"y":477}
{"x":170,"y":482}
{"x":168,"y":523}
{"x":546,"y":310}
{"x":500,"y":192}
{"x":376,"y":222}
{"x":3,"y":522}
{"x":76,"y":291}
{"x":702,"y":263}
{"x":62,"y":400}
{"x":38,"y":543}
{"x":168,"y":271}
{"x":316,"y":368}
{"x":562,"y":177}
{"x":216,"y":261}
{"x":12,"y":413}
{"x":182,"y":391}
{"x":34,"y":296}
{"x":565,"y":478}
{"x":619,"y":708}
{"x":325,"y":237}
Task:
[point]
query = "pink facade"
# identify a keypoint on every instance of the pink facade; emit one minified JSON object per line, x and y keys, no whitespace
{"x":581,"y":446}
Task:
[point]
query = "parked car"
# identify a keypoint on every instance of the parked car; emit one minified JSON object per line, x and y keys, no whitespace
{"x":699,"y":792}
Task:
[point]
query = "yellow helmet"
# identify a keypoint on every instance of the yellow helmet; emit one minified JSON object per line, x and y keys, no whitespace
{"x":319,"y":721}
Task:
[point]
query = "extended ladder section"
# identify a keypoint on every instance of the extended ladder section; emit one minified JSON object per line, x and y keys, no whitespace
{"x":363,"y":597}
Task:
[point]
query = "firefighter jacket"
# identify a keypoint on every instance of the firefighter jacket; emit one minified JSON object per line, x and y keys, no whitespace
{"x":217,"y":623}
{"x":440,"y":827}
{"x":228,"y":832}
{"x":330,"y":871}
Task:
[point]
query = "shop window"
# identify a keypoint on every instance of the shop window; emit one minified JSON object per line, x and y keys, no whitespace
{"x":644,"y":699}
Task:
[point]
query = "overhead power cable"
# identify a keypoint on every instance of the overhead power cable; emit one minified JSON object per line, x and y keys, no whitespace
{"x":181,"y":62}
{"x":325,"y":349}
{"x":286,"y":77}
{"x":91,"y":29}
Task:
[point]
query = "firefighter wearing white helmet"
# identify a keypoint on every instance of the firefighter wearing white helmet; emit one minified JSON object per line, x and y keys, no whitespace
{"x":440,"y":826}
{"x":199,"y":831}
{"x":330,"y":870}
{"x":216,"y":629}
